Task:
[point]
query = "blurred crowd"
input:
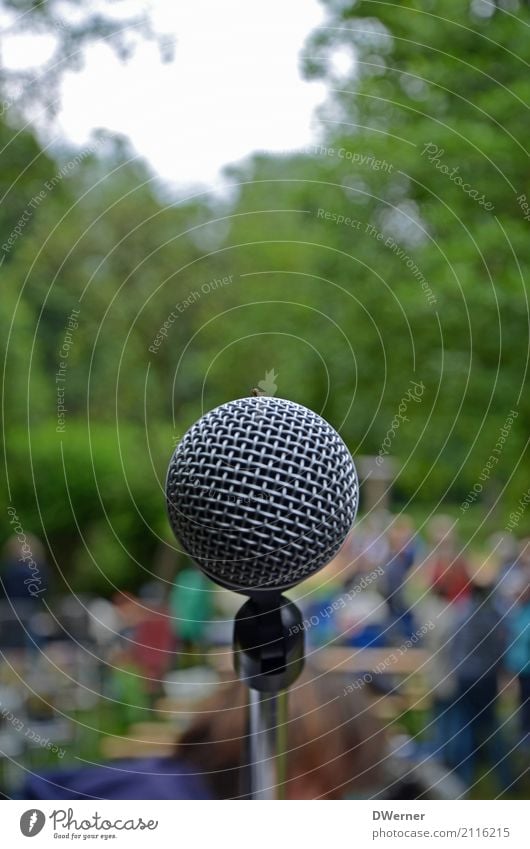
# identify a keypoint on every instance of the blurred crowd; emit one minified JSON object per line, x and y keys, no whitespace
{"x":468,"y":612}
{"x":391,"y":590}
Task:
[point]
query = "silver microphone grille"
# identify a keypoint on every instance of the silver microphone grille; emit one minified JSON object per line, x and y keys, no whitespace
{"x":261,"y":493}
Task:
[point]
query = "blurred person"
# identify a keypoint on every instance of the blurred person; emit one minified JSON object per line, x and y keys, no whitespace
{"x":127,"y":686}
{"x":438,"y":670}
{"x":24,"y":571}
{"x":369,"y":540}
{"x":363,"y":620}
{"x":103,"y":621}
{"x":518,"y":653}
{"x":356,"y":571}
{"x":511,"y":568}
{"x":352,"y":561}
{"x":400,"y":558}
{"x":191,"y":608}
{"x":23,"y":580}
{"x":128,"y":613}
{"x":334,"y":748}
{"x":154,"y":647}
{"x":477,"y":652}
{"x":445,"y":567}
{"x":322,"y":586}
{"x":145,"y":638}
{"x":323,"y":594}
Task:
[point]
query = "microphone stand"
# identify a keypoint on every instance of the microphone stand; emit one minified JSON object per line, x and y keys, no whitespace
{"x":268,"y":657}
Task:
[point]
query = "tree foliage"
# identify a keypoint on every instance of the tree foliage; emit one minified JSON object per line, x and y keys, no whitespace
{"x":348,"y":270}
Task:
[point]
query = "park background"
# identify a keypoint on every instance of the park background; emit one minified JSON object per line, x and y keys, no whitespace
{"x":390,"y":252}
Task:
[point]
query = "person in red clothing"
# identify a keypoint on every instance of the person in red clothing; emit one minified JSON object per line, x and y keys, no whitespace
{"x":147,"y":640}
{"x":447,"y":568}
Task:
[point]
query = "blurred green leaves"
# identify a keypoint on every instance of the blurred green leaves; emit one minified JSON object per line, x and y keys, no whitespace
{"x":337,"y":312}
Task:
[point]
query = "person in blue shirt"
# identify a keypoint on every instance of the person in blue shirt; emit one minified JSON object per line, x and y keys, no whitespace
{"x":24,"y":582}
{"x":518,"y":654}
{"x":477,"y":650}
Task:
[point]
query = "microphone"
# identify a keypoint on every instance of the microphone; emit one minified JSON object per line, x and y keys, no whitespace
{"x":261,"y":493}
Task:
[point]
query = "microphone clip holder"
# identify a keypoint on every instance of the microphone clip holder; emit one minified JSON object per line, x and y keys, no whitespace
{"x":269,"y":644}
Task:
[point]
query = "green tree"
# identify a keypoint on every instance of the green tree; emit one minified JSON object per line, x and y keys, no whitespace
{"x":441,"y":94}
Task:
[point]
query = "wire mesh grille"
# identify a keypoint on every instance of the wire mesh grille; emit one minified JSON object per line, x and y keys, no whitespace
{"x":261,"y":492}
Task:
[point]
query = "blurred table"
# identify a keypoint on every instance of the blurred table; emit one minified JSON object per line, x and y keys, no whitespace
{"x":344,"y":659}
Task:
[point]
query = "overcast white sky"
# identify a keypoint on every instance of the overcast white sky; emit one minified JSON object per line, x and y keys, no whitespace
{"x":234,"y":87}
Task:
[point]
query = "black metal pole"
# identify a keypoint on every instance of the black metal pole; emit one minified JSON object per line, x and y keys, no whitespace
{"x":268,"y":657}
